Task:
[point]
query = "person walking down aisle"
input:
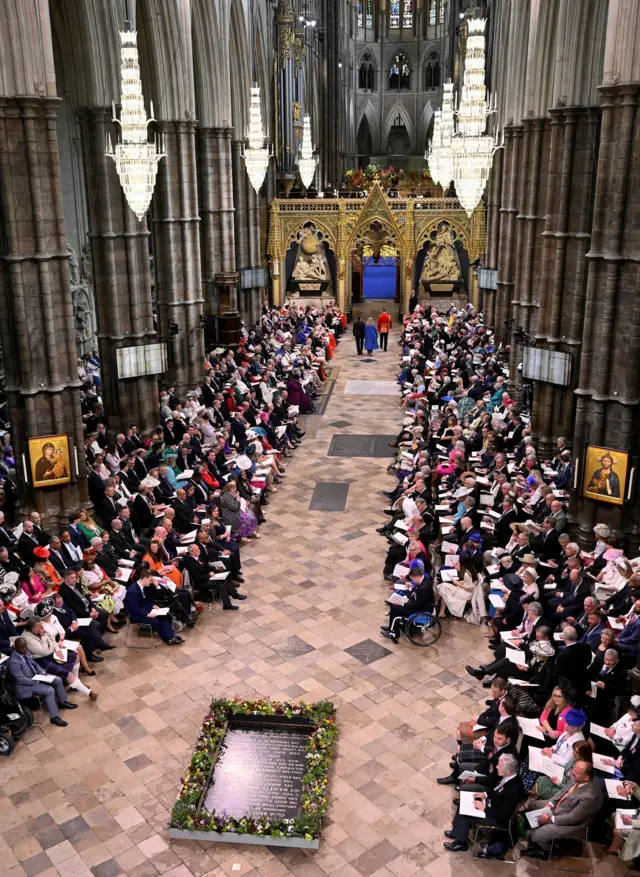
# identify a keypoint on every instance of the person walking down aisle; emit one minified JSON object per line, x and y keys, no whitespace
{"x":384,"y":325}
{"x":370,"y":336}
{"x":358,"y":334}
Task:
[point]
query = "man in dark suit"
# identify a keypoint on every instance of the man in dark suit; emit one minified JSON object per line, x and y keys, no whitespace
{"x":502,"y":531}
{"x":141,"y":610}
{"x":130,"y":476}
{"x":79,"y":603}
{"x":498,"y":804}
{"x":108,"y":508}
{"x":200,"y":578}
{"x":41,"y":535}
{"x":183,"y":521}
{"x":77,"y":536}
{"x":8,"y":630}
{"x":27,"y":542}
{"x":611,"y":682}
{"x":124,"y":547}
{"x":89,"y":634}
{"x":548,"y":544}
{"x":573,"y":661}
{"x":7,"y":539}
{"x":207,"y":395}
{"x":56,"y":558}
{"x":95,"y":484}
{"x":70,"y":553}
{"x":358,"y":334}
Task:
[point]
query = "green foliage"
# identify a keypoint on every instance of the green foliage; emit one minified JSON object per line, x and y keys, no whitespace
{"x":307,"y":824}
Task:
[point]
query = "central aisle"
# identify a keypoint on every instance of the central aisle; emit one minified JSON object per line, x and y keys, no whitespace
{"x":315,"y":591}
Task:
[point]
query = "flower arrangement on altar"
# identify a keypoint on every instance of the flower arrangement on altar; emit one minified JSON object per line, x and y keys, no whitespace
{"x":186,"y":813}
{"x":419,"y":180}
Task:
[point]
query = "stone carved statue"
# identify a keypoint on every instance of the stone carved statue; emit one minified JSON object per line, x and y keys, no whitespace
{"x":311,"y":263}
{"x":441,"y":261}
{"x":74,"y":268}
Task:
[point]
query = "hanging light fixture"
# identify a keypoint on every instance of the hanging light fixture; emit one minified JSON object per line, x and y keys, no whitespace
{"x":256,"y":156}
{"x":306,"y":162}
{"x":472,"y":148}
{"x":440,"y":156}
{"x":136,"y":159}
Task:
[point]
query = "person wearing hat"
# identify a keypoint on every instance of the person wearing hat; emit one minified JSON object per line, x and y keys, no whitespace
{"x":23,"y":669}
{"x":45,"y":570}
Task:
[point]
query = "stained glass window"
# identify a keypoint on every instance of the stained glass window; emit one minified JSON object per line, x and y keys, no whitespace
{"x":394,"y":20}
{"x":441,"y":12}
{"x":407,"y":13}
{"x":432,"y":11}
{"x":360,"y":19}
{"x":396,"y":8}
{"x":369,"y":13}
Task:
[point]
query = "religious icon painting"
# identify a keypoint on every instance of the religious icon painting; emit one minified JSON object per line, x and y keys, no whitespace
{"x":49,"y":458}
{"x":605,"y":474}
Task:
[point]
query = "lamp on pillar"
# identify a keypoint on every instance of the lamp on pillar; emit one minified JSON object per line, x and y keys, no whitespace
{"x":136,"y":159}
{"x":306,"y":162}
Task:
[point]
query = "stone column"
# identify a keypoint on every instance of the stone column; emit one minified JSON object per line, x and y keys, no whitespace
{"x":566,"y":238}
{"x":508,"y":236}
{"x":121,"y":276}
{"x":217,"y":230}
{"x":177,"y":254}
{"x":37,"y":329}
{"x":494,"y":197}
{"x":608,"y":401}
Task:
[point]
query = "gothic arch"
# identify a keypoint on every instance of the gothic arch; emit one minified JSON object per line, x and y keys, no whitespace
{"x":425,"y":120}
{"x":398,"y":110}
{"x":93,"y":78}
{"x":372,"y":118}
{"x":368,"y":55}
{"x":212,"y":109}
{"x":462,"y":233}
{"x":430,"y":47}
{"x":164,"y":41}
{"x":240,"y":72}
{"x":294,"y":231}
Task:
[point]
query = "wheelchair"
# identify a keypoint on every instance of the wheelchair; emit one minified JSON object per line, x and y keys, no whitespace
{"x":422,"y":628}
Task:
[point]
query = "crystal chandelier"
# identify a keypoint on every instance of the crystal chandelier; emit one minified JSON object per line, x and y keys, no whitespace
{"x":136,"y":159}
{"x":306,"y":162}
{"x":256,"y":156}
{"x":440,"y":156}
{"x":472,"y":149}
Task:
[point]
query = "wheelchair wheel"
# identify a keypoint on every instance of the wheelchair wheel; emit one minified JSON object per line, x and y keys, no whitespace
{"x":7,"y":744}
{"x":177,"y":625}
{"x":424,"y":632}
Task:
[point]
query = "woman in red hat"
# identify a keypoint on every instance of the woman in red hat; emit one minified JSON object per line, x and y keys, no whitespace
{"x":45,"y":570}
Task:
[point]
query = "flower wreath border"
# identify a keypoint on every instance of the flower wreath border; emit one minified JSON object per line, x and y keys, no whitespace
{"x":186,"y":813}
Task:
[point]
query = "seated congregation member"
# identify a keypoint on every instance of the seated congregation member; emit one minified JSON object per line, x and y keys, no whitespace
{"x":537,"y":654}
{"x":23,"y":668}
{"x":573,"y":661}
{"x":475,"y":756}
{"x":154,"y":560}
{"x":498,"y":804}
{"x":571,"y":810}
{"x":610,"y":682}
{"x":141,"y":610}
{"x":88,"y":635}
{"x":201,"y":578}
{"x":464,"y":593}
{"x":546,"y":787}
{"x":75,"y":598}
{"x":620,"y":732}
{"x":420,"y":598}
{"x":51,"y":654}
{"x":561,"y":751}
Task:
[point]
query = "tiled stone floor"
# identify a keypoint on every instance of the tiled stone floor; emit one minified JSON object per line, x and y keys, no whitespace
{"x":94,"y":798}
